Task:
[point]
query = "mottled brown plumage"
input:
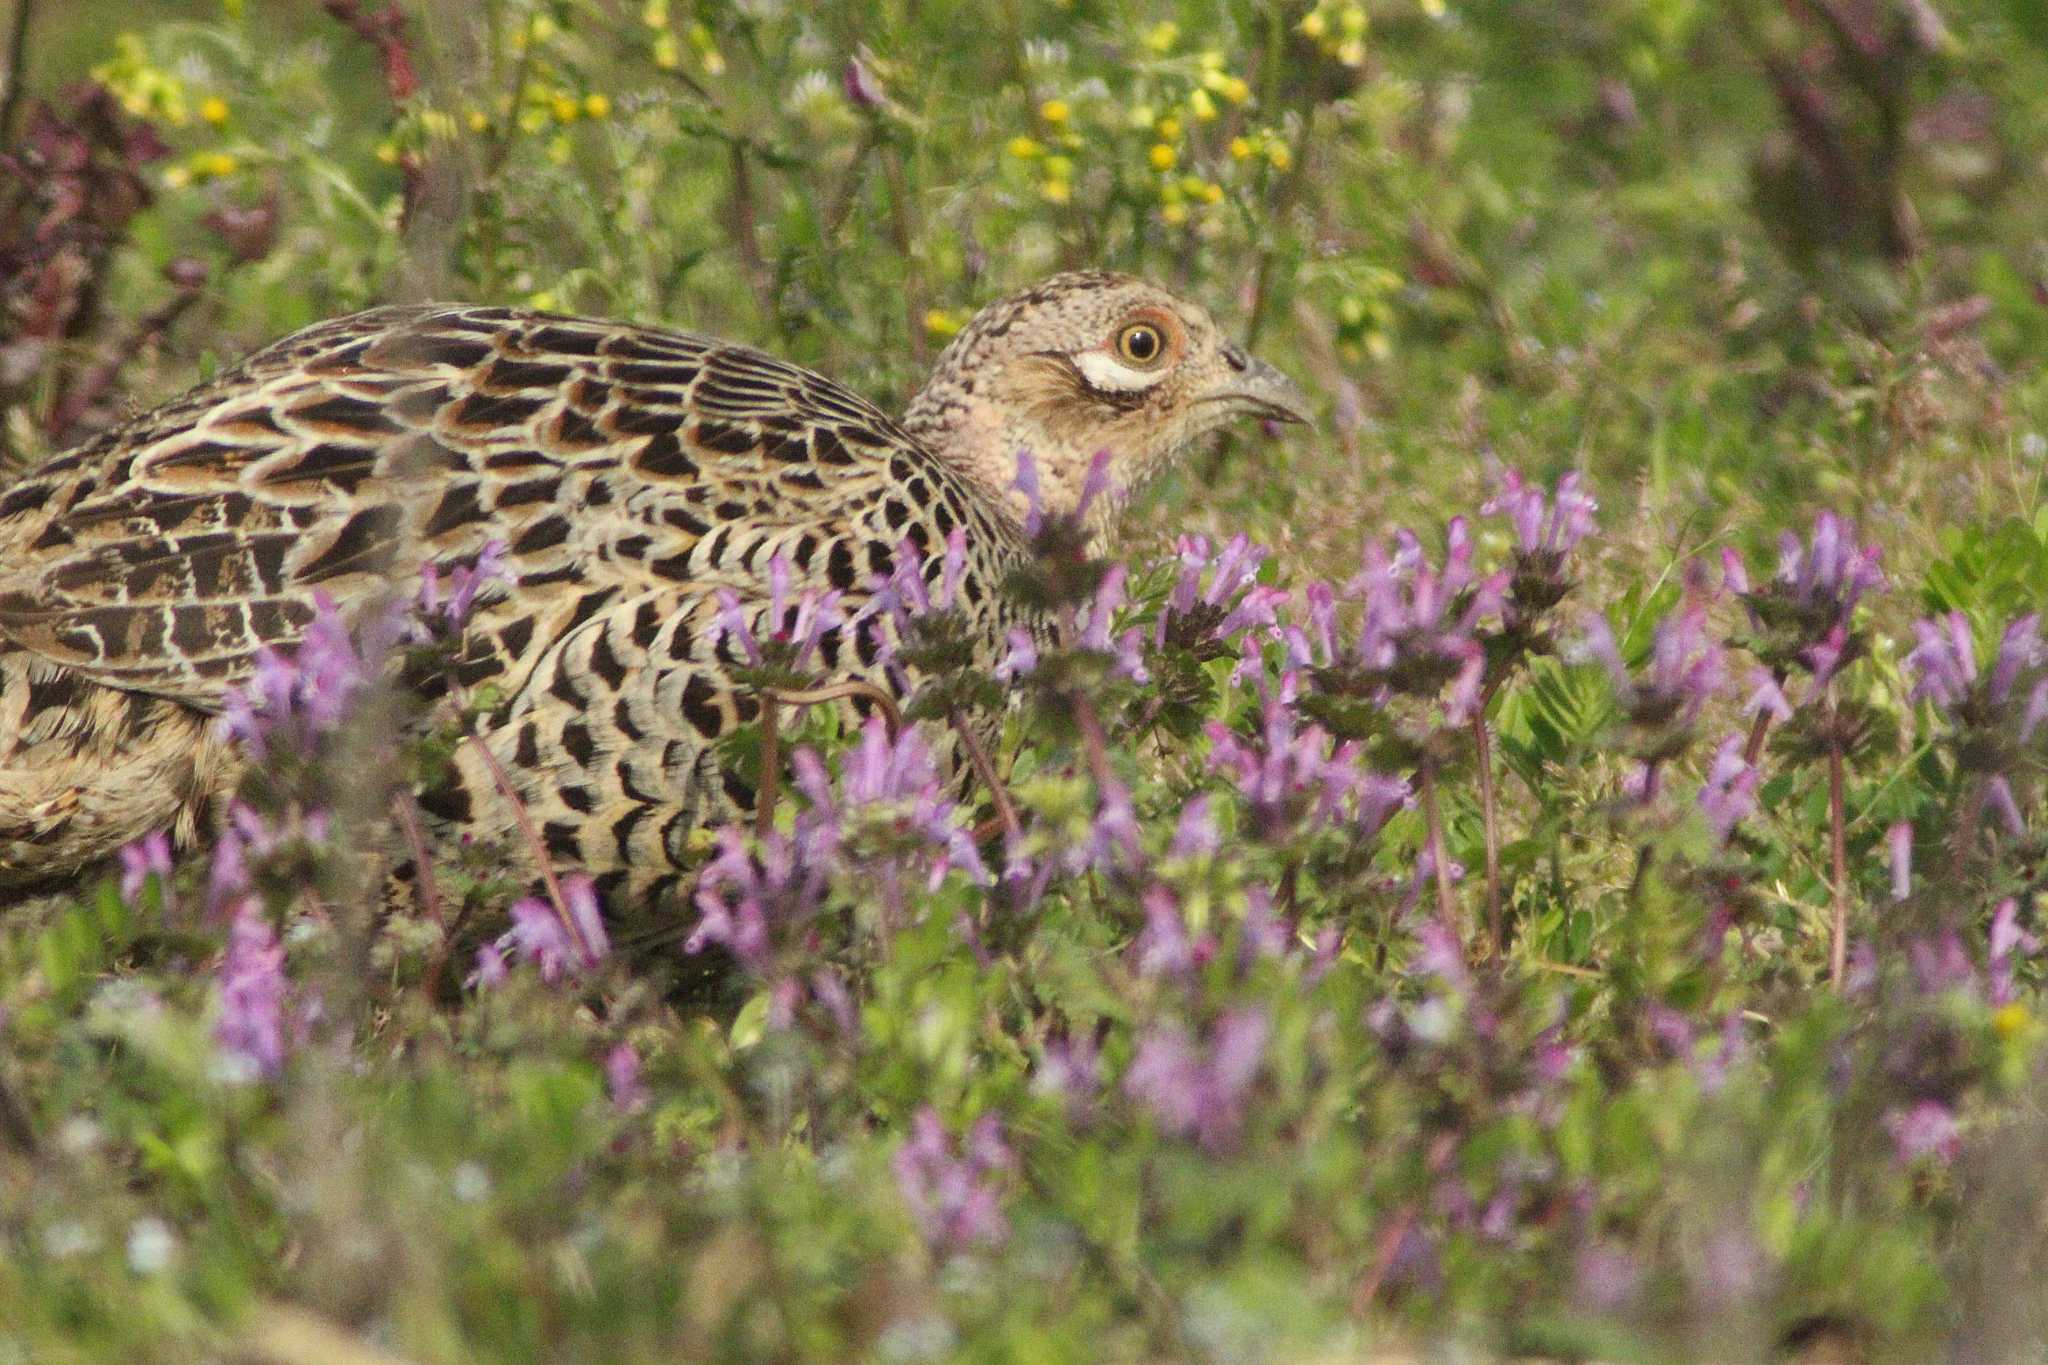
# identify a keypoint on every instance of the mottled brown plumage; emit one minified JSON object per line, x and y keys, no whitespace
{"x":631,"y":473}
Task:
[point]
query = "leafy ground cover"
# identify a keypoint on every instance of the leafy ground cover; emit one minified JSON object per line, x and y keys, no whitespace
{"x":1597,"y":921}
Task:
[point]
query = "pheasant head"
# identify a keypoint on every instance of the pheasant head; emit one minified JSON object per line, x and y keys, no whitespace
{"x":1084,"y":363}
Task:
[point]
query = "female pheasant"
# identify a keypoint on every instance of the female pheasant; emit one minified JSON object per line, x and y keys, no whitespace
{"x":631,"y":474}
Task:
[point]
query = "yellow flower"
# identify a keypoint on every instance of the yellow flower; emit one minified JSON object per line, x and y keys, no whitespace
{"x":478,"y":121}
{"x":1174,"y":214}
{"x":1170,"y":193}
{"x":213,"y":109}
{"x":177,"y":177}
{"x":1169,"y":128}
{"x":532,"y":120}
{"x":1314,"y":25}
{"x":1210,"y":193}
{"x":437,"y":123}
{"x":1280,"y":156}
{"x":1351,"y":52}
{"x":2009,"y":1019}
{"x":1236,"y":89}
{"x":1210,"y":61}
{"x":1204,"y":107}
{"x":1059,"y":168}
{"x":565,"y":107}
{"x":1163,"y":157}
{"x":1141,"y":116}
{"x":214,"y":165}
{"x":543,"y":28}
{"x":597,"y":106}
{"x":1352,"y":20}
{"x":543,"y":299}
{"x":1240,"y":148}
{"x":1433,"y":8}
{"x":942,"y":322}
{"x":1162,"y":36}
{"x":654,"y":13}
{"x":668,"y":53}
{"x":1025,"y":148}
{"x":387,"y":152}
{"x":1055,"y":111}
{"x":1057,"y":191}
{"x":1378,"y":346}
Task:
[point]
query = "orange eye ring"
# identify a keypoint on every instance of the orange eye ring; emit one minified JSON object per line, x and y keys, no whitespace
{"x":1141,"y":344}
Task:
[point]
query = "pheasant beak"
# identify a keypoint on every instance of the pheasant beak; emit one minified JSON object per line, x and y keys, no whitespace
{"x":1258,"y":390}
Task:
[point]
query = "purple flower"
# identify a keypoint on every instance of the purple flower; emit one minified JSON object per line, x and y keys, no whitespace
{"x":893,"y":781}
{"x":1195,"y":834}
{"x":1418,"y":636}
{"x":1288,"y":776}
{"x":465,"y":582}
{"x":1163,"y":947}
{"x":1899,"y":845}
{"x":1071,"y":1069}
{"x":1944,"y":664}
{"x":1022,"y":660}
{"x":1195,"y":1088}
{"x":1093,"y":624}
{"x":252,"y":987}
{"x":1439,"y":954}
{"x":954,"y":1190}
{"x":2007,"y":940}
{"x":539,"y":935}
{"x":794,"y":628}
{"x":491,"y":971}
{"x":1728,"y":796}
{"x":1231,"y":602}
{"x":1803,"y":615}
{"x":149,"y":856}
{"x":298,"y":699}
{"x":863,"y":91}
{"x":742,"y":900}
{"x":1544,"y":525}
{"x":622,"y":1079}
{"x":1686,"y":668}
{"x":1926,"y":1128}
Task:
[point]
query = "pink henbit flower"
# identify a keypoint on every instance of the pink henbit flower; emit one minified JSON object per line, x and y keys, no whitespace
{"x":1419,"y":636}
{"x":622,"y":1079}
{"x":253,"y":987}
{"x":149,"y":856}
{"x":954,"y":1190}
{"x":1926,"y":1128}
{"x":1199,"y":1088}
{"x":539,"y":935}
{"x":1728,"y":796}
{"x":1230,"y":603}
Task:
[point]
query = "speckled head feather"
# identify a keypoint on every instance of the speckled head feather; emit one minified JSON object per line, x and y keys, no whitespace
{"x":1082,"y":363}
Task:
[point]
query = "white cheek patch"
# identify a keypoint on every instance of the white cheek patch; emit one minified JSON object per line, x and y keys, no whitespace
{"x":1107,"y":373}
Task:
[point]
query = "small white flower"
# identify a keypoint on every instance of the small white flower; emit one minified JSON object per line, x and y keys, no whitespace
{"x":471,"y":1182}
{"x":150,"y":1244}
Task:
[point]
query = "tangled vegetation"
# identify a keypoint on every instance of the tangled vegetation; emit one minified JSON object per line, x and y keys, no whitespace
{"x":1598,"y":921}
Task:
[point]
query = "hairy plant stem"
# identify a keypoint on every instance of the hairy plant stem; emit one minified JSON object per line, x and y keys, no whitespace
{"x":771,"y":767}
{"x":985,"y":769}
{"x":1838,"y":952}
{"x":1753,"y":747}
{"x":1496,"y":944}
{"x":532,"y":839}
{"x":1446,"y":905}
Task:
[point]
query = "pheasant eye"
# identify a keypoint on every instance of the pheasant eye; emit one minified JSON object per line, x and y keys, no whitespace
{"x":1141,"y":344}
